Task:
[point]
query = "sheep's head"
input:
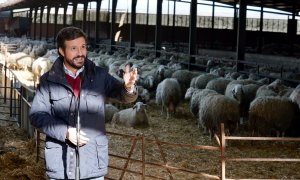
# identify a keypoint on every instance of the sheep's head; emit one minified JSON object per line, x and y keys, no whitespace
{"x":140,"y":115}
{"x":139,"y":106}
{"x":189,"y":92}
{"x":237,"y":92}
{"x":295,"y":96}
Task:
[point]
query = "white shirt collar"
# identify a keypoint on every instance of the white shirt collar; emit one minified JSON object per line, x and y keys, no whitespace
{"x":70,"y":73}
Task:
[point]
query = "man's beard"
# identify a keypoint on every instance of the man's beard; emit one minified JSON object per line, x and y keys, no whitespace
{"x":73,"y":64}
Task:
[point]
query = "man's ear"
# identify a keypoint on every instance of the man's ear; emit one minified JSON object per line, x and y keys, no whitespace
{"x":61,"y":51}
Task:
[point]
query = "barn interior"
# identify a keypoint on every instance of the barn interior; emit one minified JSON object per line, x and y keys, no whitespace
{"x":254,"y":42}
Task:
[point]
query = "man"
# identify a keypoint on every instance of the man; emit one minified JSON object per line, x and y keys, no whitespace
{"x":74,"y":87}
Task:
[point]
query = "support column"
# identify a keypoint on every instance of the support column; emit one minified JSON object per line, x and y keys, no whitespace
{"x":74,"y":13}
{"x":158,"y":29}
{"x":261,"y":27}
{"x":97,"y":26}
{"x":192,"y":32}
{"x":241,"y":35}
{"x":47,"y":22}
{"x":85,"y":6}
{"x":235,"y":25}
{"x":113,"y":25}
{"x":34,"y":22}
{"x":173,"y":24}
{"x":55,"y":22}
{"x":65,"y":15}
{"x":147,"y":22}
{"x":41,"y":21}
{"x":213,"y":25}
{"x":132,"y":25}
{"x":292,"y":30}
{"x":30,"y":17}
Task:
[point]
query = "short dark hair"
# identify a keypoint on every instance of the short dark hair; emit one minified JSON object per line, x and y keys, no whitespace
{"x":68,"y":34}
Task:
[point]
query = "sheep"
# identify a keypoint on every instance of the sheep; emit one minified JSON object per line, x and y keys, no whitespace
{"x":277,"y":86}
{"x":264,"y":90}
{"x":218,"y":71}
{"x":201,"y":81}
{"x":110,"y":110}
{"x":295,"y":95}
{"x":273,"y":89}
{"x":215,"y":109}
{"x":20,"y":61}
{"x":272,"y":114}
{"x":195,"y":96}
{"x":135,"y":117}
{"x":39,"y":67}
{"x":218,"y":84}
{"x":244,"y":91}
{"x":286,"y":92}
{"x":143,"y":94}
{"x":232,"y":75}
{"x":184,"y":78}
{"x":168,"y":95}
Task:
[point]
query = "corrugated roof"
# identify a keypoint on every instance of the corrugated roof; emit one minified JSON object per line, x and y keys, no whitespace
{"x":284,"y":5}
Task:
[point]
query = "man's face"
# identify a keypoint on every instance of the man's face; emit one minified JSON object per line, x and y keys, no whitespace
{"x":74,"y":53}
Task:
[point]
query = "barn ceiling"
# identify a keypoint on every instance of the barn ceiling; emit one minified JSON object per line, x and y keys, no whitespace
{"x":284,"y":5}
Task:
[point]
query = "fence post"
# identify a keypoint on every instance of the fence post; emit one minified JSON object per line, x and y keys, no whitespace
{"x":11,"y":97}
{"x":37,"y":144}
{"x":223,"y":152}
{"x":143,"y":157}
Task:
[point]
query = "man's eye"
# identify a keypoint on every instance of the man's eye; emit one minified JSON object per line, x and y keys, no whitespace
{"x":73,"y":48}
{"x":83,"y":47}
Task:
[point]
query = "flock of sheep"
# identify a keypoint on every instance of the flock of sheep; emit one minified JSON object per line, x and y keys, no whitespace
{"x":219,"y":95}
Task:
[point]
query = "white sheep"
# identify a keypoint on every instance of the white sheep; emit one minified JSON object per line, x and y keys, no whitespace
{"x":39,"y":67}
{"x":195,"y":96}
{"x":218,"y":84}
{"x":143,"y":94}
{"x":135,"y":117}
{"x":168,"y":95}
{"x":215,"y":109}
{"x":201,"y":81}
{"x":20,"y":61}
{"x":244,"y":94}
{"x":295,"y":95}
{"x":272,"y":114}
{"x":264,"y":90}
{"x":184,"y":78}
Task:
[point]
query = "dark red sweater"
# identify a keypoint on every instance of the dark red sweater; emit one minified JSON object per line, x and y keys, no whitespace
{"x":75,"y":84}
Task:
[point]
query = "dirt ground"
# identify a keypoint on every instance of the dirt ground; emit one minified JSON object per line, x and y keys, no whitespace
{"x":18,"y":160}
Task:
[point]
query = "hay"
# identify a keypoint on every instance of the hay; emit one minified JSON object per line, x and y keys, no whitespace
{"x":183,"y":129}
{"x":17,"y":153}
{"x":17,"y":160}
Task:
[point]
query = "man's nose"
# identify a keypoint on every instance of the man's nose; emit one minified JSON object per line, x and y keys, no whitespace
{"x":80,"y":52}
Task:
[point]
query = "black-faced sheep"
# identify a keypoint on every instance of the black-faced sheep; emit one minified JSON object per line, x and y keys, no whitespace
{"x":168,"y":95}
{"x":135,"y":117}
